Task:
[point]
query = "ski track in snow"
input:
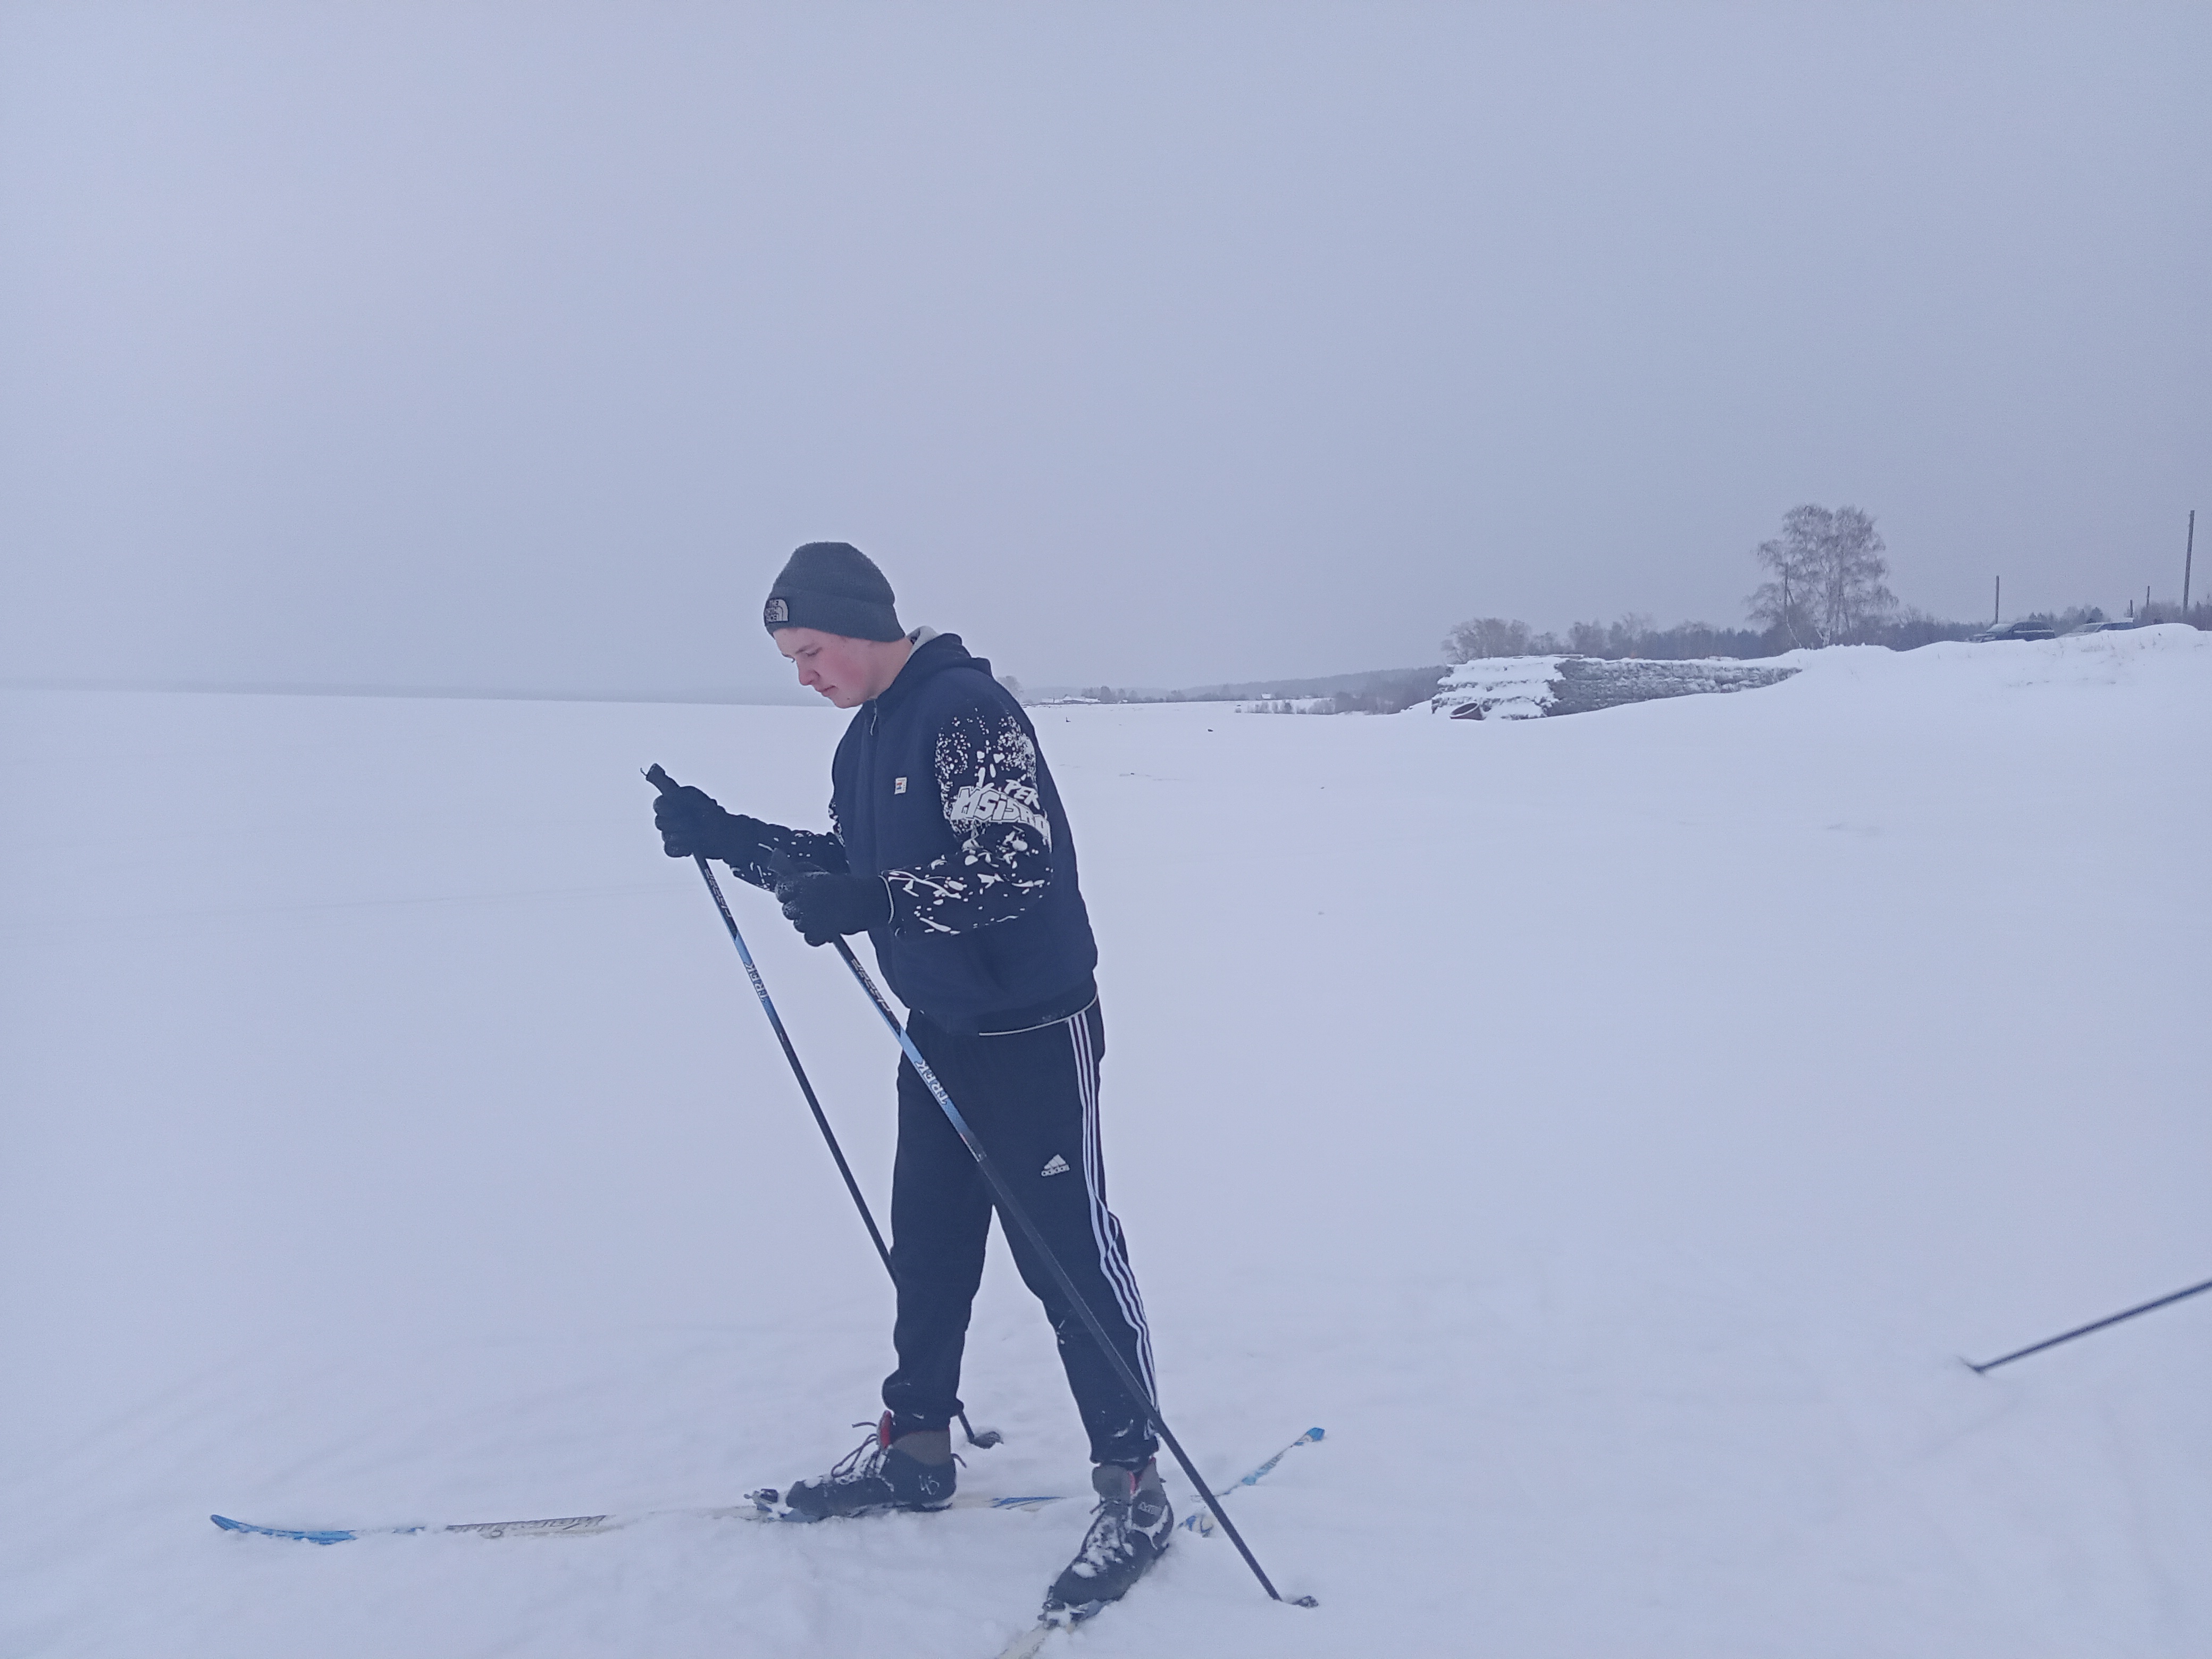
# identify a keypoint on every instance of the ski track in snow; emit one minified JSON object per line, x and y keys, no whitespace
{"x":1615,"y":1130}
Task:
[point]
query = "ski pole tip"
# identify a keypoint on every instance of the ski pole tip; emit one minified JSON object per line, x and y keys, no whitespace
{"x":1304,"y":1601}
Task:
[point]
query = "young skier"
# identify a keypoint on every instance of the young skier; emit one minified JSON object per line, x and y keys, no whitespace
{"x":949,"y":847}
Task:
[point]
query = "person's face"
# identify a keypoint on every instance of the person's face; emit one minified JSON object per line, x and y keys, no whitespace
{"x":843,"y":669}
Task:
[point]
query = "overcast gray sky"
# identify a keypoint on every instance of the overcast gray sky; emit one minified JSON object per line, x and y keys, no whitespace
{"x":516,"y":344}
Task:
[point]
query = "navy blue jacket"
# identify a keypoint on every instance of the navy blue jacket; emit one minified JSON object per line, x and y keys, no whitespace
{"x":937,"y":787}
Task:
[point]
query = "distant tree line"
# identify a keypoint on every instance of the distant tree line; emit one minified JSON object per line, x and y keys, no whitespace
{"x":1383,"y":694}
{"x":1635,"y":635}
{"x":1828,"y":583}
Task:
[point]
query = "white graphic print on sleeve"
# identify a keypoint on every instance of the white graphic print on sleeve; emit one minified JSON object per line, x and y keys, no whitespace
{"x":987,"y":783}
{"x":781,"y":848}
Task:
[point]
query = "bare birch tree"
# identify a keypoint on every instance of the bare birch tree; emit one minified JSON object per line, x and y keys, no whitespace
{"x":1828,"y":581}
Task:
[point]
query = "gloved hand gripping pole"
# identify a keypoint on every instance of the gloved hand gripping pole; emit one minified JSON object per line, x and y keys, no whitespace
{"x":668,"y":786}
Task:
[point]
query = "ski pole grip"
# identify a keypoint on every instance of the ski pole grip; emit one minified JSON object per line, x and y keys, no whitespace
{"x":661,"y":780}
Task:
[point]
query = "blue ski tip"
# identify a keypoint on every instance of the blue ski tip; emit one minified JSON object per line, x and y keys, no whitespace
{"x":305,"y":1537}
{"x":1313,"y":1434}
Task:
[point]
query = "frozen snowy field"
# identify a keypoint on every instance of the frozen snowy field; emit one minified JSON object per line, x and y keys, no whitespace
{"x":1613,"y":1130}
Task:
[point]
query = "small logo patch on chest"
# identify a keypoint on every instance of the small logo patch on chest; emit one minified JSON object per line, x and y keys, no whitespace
{"x":1058,"y":1166}
{"x":898,"y":786}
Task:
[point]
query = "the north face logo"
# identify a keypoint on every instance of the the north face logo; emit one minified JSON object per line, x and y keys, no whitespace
{"x":778,"y":611}
{"x":1058,"y":1166}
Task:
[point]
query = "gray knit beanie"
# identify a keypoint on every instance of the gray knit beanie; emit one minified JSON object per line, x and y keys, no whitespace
{"x":835,"y":587}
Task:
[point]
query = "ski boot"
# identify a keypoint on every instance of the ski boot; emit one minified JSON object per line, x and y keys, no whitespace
{"x":914,"y":1472}
{"x":1129,"y":1531}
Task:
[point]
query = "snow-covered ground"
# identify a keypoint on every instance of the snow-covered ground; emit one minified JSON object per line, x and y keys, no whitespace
{"x":1612,"y":1131}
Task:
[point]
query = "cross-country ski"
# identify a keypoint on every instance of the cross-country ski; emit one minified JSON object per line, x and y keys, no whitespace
{"x":762,"y":1506}
{"x":1202,"y":1520}
{"x":1064,"y":1617}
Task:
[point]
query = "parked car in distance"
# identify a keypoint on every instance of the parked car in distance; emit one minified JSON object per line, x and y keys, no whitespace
{"x":2110,"y":625}
{"x":2019,"y":630}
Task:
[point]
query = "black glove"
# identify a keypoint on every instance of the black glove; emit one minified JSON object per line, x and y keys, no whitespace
{"x":692,"y":824}
{"x":822,"y":906}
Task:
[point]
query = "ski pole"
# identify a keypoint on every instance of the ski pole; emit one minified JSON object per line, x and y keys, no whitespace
{"x":1009,"y":1205}
{"x":2084,"y":1330}
{"x":668,"y":786}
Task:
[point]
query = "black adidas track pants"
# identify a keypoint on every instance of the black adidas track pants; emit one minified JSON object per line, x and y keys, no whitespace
{"x":1031,"y":1097}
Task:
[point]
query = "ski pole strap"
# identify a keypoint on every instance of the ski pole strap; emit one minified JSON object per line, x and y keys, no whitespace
{"x":1010,"y":1206}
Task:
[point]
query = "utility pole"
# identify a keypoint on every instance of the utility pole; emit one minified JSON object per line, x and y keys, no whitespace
{"x":1997,"y":604}
{"x":2187,"y":558}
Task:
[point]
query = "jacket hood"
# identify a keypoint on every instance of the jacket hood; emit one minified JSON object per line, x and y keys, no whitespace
{"x":935,"y":653}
